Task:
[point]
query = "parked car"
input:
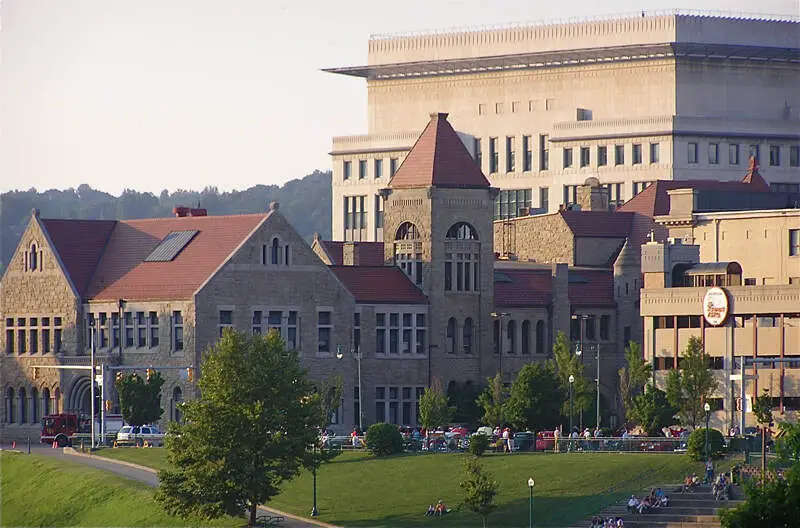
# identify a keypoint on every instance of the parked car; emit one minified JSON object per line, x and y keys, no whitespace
{"x":138,"y":435}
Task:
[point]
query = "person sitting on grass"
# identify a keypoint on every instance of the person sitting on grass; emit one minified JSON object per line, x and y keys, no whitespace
{"x":633,"y":504}
{"x":431,"y":511}
{"x":662,"y":499}
{"x":441,"y":508}
{"x":645,"y":505}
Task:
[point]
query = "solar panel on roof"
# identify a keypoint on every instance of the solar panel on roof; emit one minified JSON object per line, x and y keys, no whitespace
{"x":171,"y":245}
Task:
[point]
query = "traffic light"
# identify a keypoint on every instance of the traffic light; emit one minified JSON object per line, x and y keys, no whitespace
{"x":190,"y":374}
{"x":109,"y":405}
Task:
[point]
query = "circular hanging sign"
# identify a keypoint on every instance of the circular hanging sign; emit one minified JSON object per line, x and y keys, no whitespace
{"x":715,"y":306}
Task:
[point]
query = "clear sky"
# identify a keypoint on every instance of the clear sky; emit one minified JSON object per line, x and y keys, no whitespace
{"x":155,"y":94}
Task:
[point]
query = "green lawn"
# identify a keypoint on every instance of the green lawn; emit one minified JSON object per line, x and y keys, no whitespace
{"x":359,"y":490}
{"x":153,"y":457}
{"x":43,"y":491}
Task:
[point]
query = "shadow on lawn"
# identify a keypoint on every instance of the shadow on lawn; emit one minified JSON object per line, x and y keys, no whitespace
{"x":550,"y":512}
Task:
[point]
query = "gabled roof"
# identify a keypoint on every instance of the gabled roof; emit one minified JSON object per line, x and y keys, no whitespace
{"x":79,"y":244}
{"x":605,"y":224}
{"x":522,"y":287}
{"x":122,"y":272}
{"x":379,"y":285}
{"x":754,"y":178}
{"x":369,"y":253}
{"x":439,"y":159}
{"x":654,"y":200}
{"x":591,"y":287}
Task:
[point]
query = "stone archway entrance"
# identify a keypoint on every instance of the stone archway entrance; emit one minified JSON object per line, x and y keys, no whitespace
{"x":79,"y":401}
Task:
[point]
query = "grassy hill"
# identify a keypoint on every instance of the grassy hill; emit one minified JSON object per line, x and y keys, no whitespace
{"x":359,"y":490}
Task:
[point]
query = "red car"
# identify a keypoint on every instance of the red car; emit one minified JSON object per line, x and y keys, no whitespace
{"x":545,"y":441}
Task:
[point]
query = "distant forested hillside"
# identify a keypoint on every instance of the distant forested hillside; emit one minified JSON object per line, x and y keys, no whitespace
{"x":305,"y":202}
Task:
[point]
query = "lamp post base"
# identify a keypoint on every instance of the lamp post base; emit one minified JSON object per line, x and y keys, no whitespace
{"x":314,"y":512}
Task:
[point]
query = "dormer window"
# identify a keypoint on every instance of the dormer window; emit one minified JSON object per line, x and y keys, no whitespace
{"x":33,"y":258}
{"x":275,"y":254}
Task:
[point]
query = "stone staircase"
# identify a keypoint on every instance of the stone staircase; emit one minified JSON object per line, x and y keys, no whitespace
{"x":696,"y":509}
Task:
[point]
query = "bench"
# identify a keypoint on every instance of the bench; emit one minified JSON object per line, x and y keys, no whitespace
{"x":269,"y":520}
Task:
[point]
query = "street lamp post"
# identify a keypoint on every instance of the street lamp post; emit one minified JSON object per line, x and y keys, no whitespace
{"x":356,"y":354}
{"x":91,"y":377}
{"x":498,"y":316}
{"x":571,"y":381}
{"x":707,"y":408}
{"x":597,"y":380}
{"x":314,"y":511}
{"x":530,"y":504}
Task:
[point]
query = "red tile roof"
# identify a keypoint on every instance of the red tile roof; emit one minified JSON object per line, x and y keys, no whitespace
{"x":606,"y":224}
{"x":79,"y":244}
{"x":522,"y":287}
{"x":379,"y":284}
{"x":654,"y":200}
{"x":369,"y":253}
{"x":591,"y":287}
{"x":754,"y":178}
{"x":123,"y":274}
{"x":440,"y":159}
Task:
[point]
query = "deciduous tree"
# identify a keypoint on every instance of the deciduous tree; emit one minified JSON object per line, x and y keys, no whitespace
{"x":140,"y":397}
{"x":246,"y":435}
{"x":652,"y":411}
{"x":689,"y":388}
{"x":433,"y":407}
{"x":479,"y":488}
{"x":568,"y":363}
{"x":492,"y":400}
{"x":633,"y":376}
{"x":536,"y":398}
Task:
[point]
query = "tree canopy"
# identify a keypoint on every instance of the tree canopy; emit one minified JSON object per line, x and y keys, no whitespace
{"x":246,"y":435}
{"x":536,"y":398}
{"x":492,"y":400}
{"x":651,"y":411}
{"x":434,"y":410}
{"x":568,"y":363}
{"x":690,"y":387}
{"x":479,"y":488}
{"x":633,"y":376}
{"x":140,"y":397}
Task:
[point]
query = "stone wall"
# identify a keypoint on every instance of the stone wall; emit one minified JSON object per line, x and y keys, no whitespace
{"x":543,"y":238}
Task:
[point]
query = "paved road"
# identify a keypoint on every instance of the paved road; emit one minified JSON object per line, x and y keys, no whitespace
{"x":147,"y":477}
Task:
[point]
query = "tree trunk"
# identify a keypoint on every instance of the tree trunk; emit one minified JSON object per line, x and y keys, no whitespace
{"x":484,"y":521}
{"x":253,"y":509}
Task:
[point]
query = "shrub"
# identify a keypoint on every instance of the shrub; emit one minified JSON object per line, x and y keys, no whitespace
{"x":478,"y":444}
{"x":384,"y":439}
{"x":696,"y":445}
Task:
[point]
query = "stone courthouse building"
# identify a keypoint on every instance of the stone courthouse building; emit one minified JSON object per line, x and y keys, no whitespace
{"x":437,"y":299}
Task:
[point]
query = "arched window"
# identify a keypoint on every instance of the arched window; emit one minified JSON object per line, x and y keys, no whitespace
{"x":462,"y":231}
{"x":407,"y":231}
{"x":451,"y":335}
{"x":526,"y":337}
{"x":9,"y":405}
{"x":467,"y":344}
{"x":275,"y":252}
{"x":408,"y":251}
{"x":34,"y":406}
{"x":177,"y":399}
{"x":33,"y":260}
{"x":56,"y":401}
{"x":540,"y":337}
{"x":23,"y":404}
{"x":45,"y":402}
{"x":511,"y":332}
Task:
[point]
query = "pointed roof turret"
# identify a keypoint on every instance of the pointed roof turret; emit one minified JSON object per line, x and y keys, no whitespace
{"x":753,"y":177}
{"x":439,"y":159}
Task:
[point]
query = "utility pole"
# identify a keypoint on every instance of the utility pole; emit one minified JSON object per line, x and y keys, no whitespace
{"x":597,"y":357}
{"x":91,"y":378}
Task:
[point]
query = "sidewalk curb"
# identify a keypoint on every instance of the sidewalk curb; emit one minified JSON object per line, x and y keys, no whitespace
{"x":71,"y":451}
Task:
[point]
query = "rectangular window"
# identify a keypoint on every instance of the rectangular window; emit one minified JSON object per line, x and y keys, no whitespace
{"x":512,"y":203}
{"x":544,"y":152}
{"x":34,"y":338}
{"x":755,"y":151}
{"x":544,"y":198}
{"x":394,"y":333}
{"x":448,"y":275}
{"x":713,"y":153}
{"x":636,"y":154}
{"x":733,"y":153}
{"x":380,"y":404}
{"x":378,"y":168}
{"x":225,"y":321}
{"x":654,"y":152}
{"x":380,"y":333}
{"x":408,"y":333}
{"x":324,"y":327}
{"x":420,"y":329}
{"x":619,"y":154}
{"x":378,"y":212}
{"x":393,"y":163}
{"x":527,"y":153}
{"x":291,"y":331}
{"x":585,"y":156}
{"x":141,"y":330}
{"x":362,"y":212}
{"x":258,"y":322}
{"x":103,"y":327}
{"x":774,"y":155}
{"x":349,"y":205}
{"x":614,"y":195}
{"x":357,"y":332}
{"x":640,"y":186}
{"x":794,"y":156}
{"x":46,"y":337}
{"x":57,"y":335}
{"x":177,"y":331}
{"x":362,"y":169}
{"x":493,"y":155}
{"x":481,"y":109}
{"x":115,"y":330}
{"x":567,"y":158}
{"x":21,"y":349}
{"x":514,"y":107}
{"x":510,"y":154}
{"x":347,"y":168}
{"x":9,"y":340}
{"x":602,"y":156}
{"x":570,"y":194}
{"x":153,"y":325}
{"x":794,"y":242}
{"x":127,"y":318}
{"x":605,"y":327}
{"x":476,"y":146}
{"x":692,"y":152}
{"x":498,"y":108}
{"x":274,"y":321}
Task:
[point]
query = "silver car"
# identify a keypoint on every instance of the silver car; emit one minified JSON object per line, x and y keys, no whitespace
{"x":138,"y":435}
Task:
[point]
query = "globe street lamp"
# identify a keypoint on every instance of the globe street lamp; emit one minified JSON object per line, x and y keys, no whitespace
{"x":707,"y":408}
{"x":530,"y":503}
{"x":314,"y":511}
{"x":571,"y":381}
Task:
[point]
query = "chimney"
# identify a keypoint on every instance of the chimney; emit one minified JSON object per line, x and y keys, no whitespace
{"x":592,"y":196}
{"x":350,"y":254}
{"x":180,"y":211}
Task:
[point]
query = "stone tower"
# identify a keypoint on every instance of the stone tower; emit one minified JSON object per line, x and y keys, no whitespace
{"x":438,"y":229}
